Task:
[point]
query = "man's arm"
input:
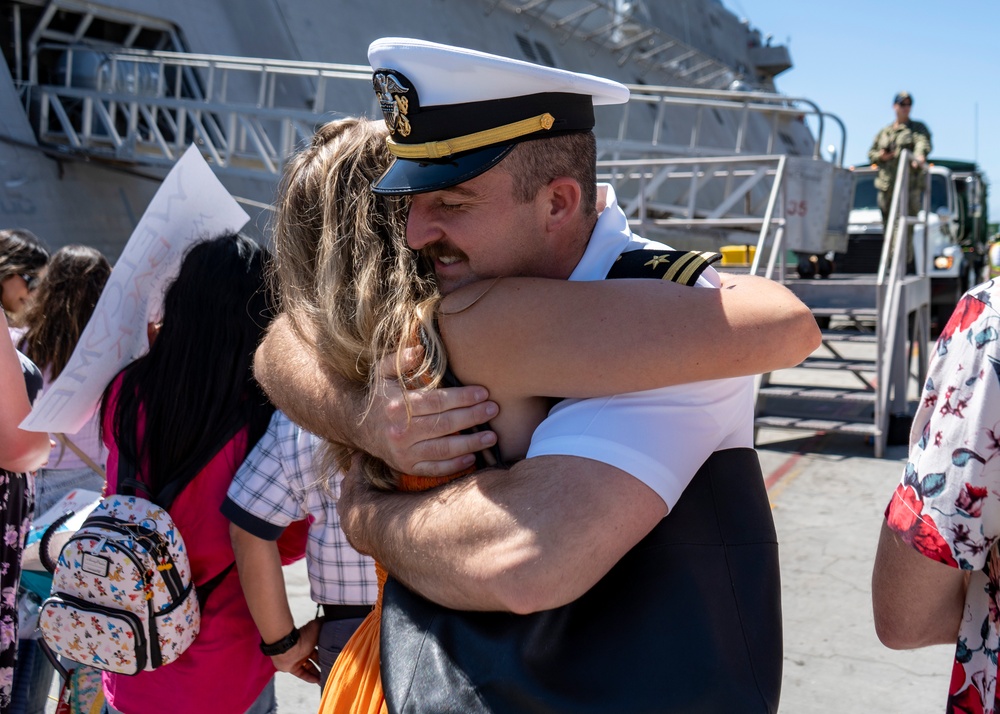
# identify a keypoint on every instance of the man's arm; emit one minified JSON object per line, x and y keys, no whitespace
{"x":528,"y":539}
{"x":424,"y":441}
{"x":875,"y":153}
{"x":916,"y":601}
{"x":922,"y":144}
{"x":259,"y":566}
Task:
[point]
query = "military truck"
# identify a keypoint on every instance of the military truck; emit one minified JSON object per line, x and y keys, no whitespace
{"x":957,"y":232}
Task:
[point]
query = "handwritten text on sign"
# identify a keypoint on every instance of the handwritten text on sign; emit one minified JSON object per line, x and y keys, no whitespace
{"x":190,"y":205}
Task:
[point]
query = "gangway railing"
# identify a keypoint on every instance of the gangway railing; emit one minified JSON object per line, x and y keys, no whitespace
{"x":763,"y":108}
{"x":148,"y":107}
{"x":893,"y":308}
{"x":752,"y":187}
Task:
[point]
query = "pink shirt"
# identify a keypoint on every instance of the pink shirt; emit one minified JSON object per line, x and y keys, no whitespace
{"x":224,"y":671}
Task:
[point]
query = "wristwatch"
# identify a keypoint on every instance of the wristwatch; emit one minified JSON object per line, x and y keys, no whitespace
{"x":281,"y":646}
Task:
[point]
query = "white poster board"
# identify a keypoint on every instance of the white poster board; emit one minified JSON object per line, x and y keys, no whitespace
{"x":190,"y":205}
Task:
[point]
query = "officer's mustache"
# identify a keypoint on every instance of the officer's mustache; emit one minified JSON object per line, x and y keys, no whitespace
{"x":439,"y":249}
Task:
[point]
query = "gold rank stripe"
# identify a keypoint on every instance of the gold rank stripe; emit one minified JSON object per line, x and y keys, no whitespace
{"x":687,"y":267}
{"x":497,"y":135}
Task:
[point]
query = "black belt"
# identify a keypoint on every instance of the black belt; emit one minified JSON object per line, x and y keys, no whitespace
{"x":345,"y":612}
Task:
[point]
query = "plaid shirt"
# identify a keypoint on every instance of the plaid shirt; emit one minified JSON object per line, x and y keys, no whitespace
{"x":277,"y":485}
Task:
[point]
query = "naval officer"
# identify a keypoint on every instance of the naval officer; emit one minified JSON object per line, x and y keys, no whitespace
{"x":638,"y":522}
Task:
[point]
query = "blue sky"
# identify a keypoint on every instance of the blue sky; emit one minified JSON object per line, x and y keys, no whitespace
{"x":851,"y":57}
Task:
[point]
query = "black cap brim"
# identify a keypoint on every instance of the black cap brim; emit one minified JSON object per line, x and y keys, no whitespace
{"x":407,"y":176}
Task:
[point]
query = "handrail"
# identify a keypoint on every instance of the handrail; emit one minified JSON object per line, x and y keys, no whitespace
{"x":887,"y":301}
{"x":889,"y":285}
{"x":651,"y":173}
{"x":148,"y":106}
{"x":732,"y":100}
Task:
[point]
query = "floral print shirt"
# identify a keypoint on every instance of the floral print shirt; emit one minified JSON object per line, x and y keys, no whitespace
{"x":16,"y":505}
{"x":947,"y":506}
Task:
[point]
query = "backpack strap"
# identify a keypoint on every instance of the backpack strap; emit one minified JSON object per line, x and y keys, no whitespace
{"x":203,"y":591}
{"x":679,"y":266}
{"x":129,"y":485}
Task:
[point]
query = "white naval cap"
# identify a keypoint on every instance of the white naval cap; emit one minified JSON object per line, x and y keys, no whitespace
{"x":453,"y":112}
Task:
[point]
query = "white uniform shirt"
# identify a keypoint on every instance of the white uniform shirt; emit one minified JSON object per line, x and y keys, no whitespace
{"x":660,"y":436}
{"x":276,"y":485}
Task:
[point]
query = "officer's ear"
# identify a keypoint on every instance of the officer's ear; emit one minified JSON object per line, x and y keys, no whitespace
{"x":562,"y":204}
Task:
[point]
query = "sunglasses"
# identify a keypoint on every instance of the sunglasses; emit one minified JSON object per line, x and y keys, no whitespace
{"x":906,"y":104}
{"x":30,"y":280}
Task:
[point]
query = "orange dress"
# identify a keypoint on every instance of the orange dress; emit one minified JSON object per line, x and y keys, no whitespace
{"x":355,"y":682}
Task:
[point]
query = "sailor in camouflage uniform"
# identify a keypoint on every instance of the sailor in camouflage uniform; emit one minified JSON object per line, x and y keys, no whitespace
{"x":904,"y":133}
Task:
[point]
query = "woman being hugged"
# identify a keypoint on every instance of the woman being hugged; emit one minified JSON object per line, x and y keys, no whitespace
{"x":191,"y":405}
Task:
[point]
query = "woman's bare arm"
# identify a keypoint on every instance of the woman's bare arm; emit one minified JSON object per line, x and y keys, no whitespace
{"x":588,"y":339}
{"x":423,"y":441}
{"x":19,"y":450}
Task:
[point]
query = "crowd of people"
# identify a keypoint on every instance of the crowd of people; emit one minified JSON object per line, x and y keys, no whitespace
{"x":463,"y":543}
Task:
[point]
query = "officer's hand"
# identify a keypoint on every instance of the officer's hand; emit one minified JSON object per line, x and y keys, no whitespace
{"x":918,"y":162}
{"x":886,"y":154}
{"x":425,"y":441}
{"x":301,"y":659}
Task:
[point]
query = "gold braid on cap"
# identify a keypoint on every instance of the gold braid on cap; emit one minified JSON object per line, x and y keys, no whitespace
{"x":497,"y":135}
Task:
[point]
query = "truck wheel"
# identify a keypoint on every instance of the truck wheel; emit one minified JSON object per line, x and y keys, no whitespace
{"x":806,"y":267}
{"x":824,"y":266}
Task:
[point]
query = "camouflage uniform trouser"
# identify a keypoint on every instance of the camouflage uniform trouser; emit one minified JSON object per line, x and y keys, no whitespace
{"x":884,"y":199}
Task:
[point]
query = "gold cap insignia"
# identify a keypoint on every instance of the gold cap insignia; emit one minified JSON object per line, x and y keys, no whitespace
{"x":391,"y":91}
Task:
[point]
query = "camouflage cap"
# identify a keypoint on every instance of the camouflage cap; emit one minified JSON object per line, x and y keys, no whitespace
{"x":903,"y":97}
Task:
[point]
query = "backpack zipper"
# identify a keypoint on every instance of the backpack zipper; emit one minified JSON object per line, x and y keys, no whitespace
{"x":156,"y":547}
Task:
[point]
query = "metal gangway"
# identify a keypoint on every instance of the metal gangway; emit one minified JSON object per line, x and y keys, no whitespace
{"x":763,"y":196}
{"x":245,"y":114}
{"x":249,"y":115}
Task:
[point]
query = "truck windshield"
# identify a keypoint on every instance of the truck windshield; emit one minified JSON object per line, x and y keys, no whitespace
{"x":865,"y":195}
{"x":939,"y":192}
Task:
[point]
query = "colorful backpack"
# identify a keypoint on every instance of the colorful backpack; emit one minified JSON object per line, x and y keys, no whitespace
{"x":122,"y":595}
{"x":122,"y":598}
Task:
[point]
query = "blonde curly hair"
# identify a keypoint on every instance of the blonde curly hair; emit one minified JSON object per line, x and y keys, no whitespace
{"x":351,"y":287}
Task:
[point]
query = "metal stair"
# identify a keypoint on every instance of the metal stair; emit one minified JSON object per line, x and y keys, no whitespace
{"x":850,"y":407}
{"x":870,"y":343}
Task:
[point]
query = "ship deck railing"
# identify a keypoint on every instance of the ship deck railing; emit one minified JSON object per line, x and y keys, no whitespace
{"x":148,"y":107}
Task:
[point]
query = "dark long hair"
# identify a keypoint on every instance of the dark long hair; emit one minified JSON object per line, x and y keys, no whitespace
{"x":63,"y":303}
{"x":21,"y":251}
{"x":196,"y":384}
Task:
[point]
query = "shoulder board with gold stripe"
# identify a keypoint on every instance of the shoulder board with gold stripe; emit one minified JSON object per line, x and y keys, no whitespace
{"x":679,"y":266}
